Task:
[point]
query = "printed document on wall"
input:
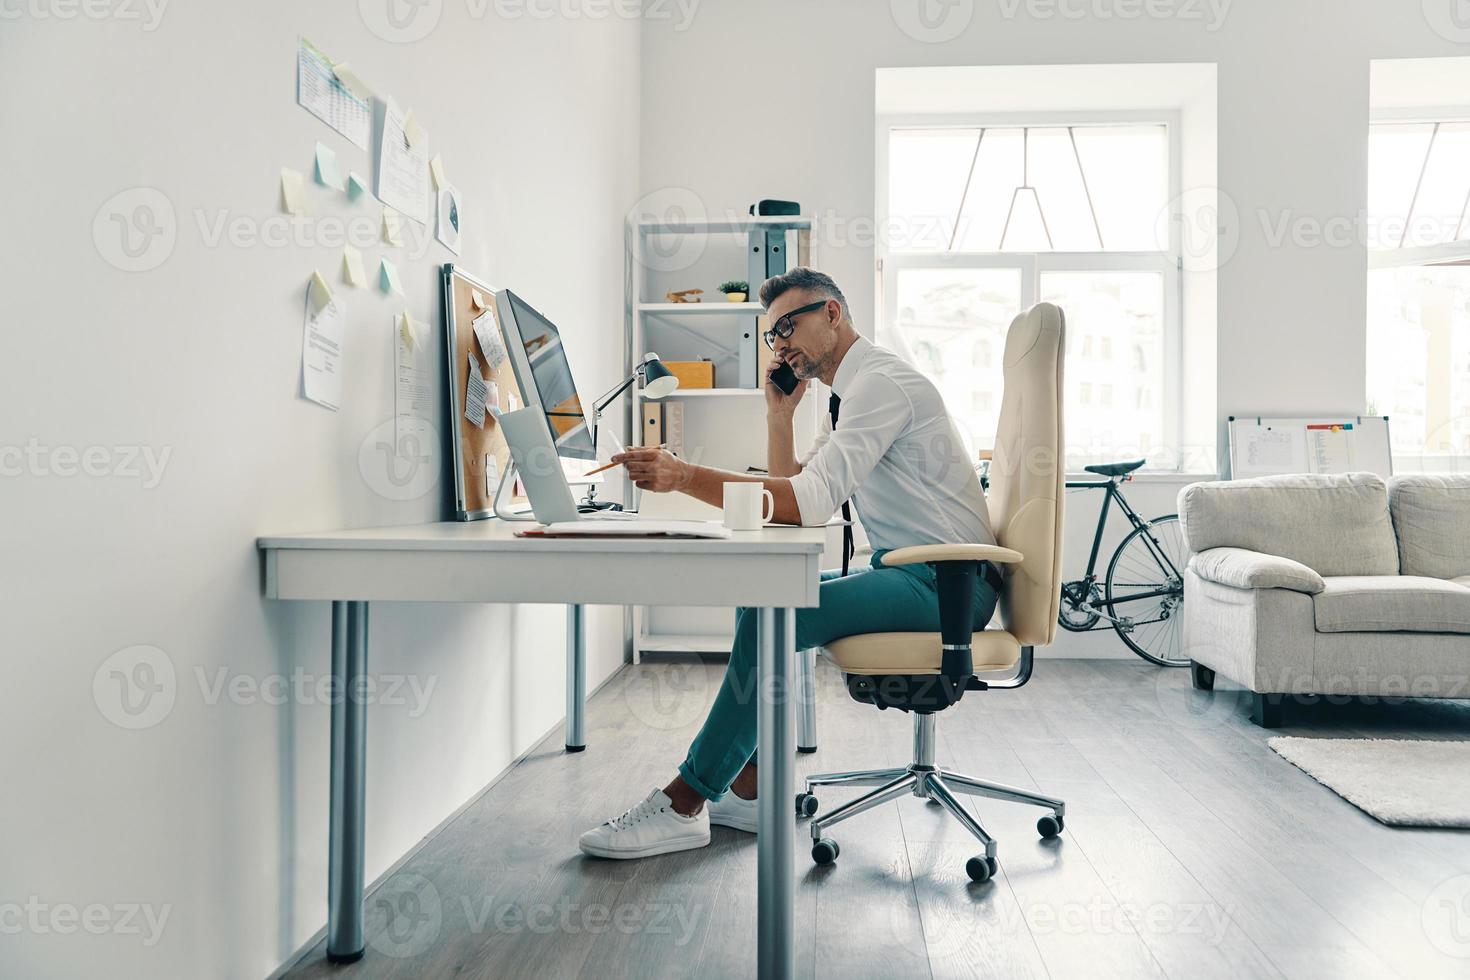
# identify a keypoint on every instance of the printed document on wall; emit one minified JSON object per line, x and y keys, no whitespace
{"x":320,"y":92}
{"x":413,"y":406}
{"x":403,"y":163}
{"x":321,"y":353}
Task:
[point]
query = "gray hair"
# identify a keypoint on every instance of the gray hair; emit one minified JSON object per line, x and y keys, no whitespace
{"x":803,"y":278}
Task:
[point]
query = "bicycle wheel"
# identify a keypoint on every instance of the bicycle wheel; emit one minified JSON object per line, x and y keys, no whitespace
{"x":1149,"y":564}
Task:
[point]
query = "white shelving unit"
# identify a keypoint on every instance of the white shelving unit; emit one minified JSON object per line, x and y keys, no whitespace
{"x":723,"y":426}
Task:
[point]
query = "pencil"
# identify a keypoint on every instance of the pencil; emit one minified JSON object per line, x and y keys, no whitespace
{"x":609,"y":466}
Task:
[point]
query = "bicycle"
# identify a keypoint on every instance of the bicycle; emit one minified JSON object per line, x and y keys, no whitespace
{"x":1142,"y":597}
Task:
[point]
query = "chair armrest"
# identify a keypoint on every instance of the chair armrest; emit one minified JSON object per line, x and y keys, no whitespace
{"x":951,"y":552}
{"x":1244,"y":569}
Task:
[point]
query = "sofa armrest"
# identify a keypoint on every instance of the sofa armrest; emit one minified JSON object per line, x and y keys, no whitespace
{"x":1243,"y":569}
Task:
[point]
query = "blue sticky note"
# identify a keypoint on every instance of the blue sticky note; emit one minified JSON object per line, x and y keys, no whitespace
{"x":356,"y":186}
{"x":388,"y":279}
{"x":327,"y":173}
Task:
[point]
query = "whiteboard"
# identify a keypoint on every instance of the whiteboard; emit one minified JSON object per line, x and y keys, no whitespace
{"x":1345,"y":444}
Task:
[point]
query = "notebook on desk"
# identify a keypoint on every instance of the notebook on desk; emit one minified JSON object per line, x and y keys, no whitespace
{"x":627,"y":528}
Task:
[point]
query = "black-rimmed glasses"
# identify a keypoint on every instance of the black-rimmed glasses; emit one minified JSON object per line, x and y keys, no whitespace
{"x":785,"y":326}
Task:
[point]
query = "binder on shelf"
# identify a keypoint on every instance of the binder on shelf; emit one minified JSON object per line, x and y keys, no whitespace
{"x":653,"y":423}
{"x":674,"y":427}
{"x":749,"y":357}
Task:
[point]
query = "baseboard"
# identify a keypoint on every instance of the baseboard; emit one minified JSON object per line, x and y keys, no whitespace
{"x":305,"y":948}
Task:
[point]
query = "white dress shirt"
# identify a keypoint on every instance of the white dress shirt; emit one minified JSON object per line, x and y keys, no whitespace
{"x":896,"y":453}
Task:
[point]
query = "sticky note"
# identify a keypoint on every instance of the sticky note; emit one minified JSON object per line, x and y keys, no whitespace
{"x":436,"y":169}
{"x":477,"y":300}
{"x":327,"y":173}
{"x":388,"y":280}
{"x":351,"y":81}
{"x":319,"y":293}
{"x":411,"y":129}
{"x":352,"y":271}
{"x":293,"y":194}
{"x":356,"y":186}
{"x":392,"y":223}
{"x":406,"y":331}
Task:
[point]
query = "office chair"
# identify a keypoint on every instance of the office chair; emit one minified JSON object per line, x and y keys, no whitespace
{"x":925,"y":673}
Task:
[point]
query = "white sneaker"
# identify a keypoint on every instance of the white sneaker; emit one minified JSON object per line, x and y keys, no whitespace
{"x":651,"y":827}
{"x":733,"y":812}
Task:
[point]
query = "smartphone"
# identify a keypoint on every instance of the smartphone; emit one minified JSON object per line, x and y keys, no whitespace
{"x":785,"y":378}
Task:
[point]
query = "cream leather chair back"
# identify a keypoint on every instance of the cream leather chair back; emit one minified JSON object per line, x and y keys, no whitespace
{"x":1027,"y":472}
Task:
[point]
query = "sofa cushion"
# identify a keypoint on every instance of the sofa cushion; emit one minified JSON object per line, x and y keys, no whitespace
{"x":1383,"y":603}
{"x":1431,"y":518}
{"x":1333,"y":524}
{"x":1241,"y":569}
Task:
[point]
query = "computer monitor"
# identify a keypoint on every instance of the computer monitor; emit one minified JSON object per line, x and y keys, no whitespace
{"x":545,"y":375}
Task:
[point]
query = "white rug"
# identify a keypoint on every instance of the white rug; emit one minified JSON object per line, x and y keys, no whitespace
{"x":1402,"y":782}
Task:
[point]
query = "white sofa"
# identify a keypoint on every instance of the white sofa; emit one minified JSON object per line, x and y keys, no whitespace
{"x":1329,"y":585}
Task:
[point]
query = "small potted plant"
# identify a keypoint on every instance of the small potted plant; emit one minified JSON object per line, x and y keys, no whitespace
{"x":735,"y":290}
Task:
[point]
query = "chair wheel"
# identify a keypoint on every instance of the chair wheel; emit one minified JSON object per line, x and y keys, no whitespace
{"x":806,"y":804}
{"x":981,"y":868}
{"x":825,"y":851}
{"x":1050,"y":825}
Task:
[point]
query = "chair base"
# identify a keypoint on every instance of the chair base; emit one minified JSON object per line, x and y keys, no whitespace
{"x":923,"y":779}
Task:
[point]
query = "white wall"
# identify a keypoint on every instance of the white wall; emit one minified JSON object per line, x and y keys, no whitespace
{"x":1292,"y":118}
{"x":219,"y":811}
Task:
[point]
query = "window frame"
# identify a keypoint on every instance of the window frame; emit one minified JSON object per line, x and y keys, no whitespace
{"x":1453,"y":253}
{"x":1169,"y":264}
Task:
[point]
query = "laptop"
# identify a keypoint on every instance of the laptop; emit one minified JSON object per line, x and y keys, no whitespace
{"x":552,"y":501}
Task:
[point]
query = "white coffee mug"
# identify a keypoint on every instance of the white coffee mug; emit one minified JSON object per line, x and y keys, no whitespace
{"x":744,"y":508}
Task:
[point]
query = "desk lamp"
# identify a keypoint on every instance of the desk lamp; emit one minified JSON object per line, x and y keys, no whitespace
{"x":658,"y":382}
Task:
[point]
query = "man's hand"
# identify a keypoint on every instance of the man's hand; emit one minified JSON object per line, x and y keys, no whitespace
{"x":779,"y":404}
{"x":655,"y":469}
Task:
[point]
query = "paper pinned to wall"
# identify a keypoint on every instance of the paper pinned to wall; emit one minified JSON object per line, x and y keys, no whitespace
{"x":449,"y":213}
{"x":321,"y":92}
{"x":327,"y":172}
{"x":321,"y":353}
{"x":474,"y":395}
{"x":403,"y":164}
{"x":353,"y":272}
{"x":413,"y":404}
{"x":487,"y":332}
{"x":293,"y":192}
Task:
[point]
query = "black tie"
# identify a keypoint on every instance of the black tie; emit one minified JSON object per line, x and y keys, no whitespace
{"x":834,"y":405}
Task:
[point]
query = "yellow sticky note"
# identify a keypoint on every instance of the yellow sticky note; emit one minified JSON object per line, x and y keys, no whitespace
{"x":388,"y":280}
{"x":351,"y":81}
{"x":436,"y":169}
{"x":477,"y":299}
{"x":352,"y":270}
{"x":392,"y":224}
{"x":319,"y":293}
{"x":293,"y":193}
{"x":411,"y":129}
{"x":406,"y":331}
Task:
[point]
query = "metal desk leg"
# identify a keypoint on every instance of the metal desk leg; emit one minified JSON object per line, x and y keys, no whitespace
{"x":776,"y":817}
{"x":349,"y":752}
{"x":576,"y":678}
{"x":806,"y":701}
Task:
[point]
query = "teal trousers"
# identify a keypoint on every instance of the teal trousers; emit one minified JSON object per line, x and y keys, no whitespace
{"x":868,"y":600}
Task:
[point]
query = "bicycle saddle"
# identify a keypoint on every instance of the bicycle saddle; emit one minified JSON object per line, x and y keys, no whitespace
{"x":1115,"y":469}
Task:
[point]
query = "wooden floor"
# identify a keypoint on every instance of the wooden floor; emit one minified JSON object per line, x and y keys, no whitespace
{"x":1191,"y":849}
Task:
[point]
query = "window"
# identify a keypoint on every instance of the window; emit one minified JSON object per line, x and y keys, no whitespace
{"x":983,"y":221}
{"x":1419,"y":289}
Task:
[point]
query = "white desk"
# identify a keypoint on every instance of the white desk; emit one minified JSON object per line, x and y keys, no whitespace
{"x":774,"y":570}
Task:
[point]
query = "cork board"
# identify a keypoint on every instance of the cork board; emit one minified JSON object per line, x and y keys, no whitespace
{"x":475,"y":476}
